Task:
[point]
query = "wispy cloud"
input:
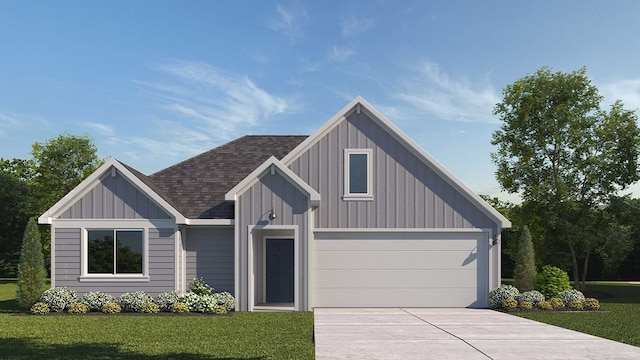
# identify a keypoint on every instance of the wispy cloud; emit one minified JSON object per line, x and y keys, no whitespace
{"x":431,"y":91}
{"x":340,"y":53}
{"x":354,"y":26}
{"x":12,"y":122}
{"x":289,"y":20}
{"x":626,"y":90}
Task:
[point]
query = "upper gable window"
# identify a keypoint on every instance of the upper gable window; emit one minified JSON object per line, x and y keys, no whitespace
{"x":358,"y":174}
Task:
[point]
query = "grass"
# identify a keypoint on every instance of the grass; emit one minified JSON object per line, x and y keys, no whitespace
{"x":243,"y":335}
{"x":619,"y":320}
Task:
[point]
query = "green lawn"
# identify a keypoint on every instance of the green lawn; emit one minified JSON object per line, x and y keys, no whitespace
{"x":619,"y":320}
{"x":287,"y":335}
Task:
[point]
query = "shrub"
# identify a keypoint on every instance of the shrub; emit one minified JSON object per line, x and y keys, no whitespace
{"x":225,"y":299}
{"x":77,"y":308}
{"x":525,"y":270}
{"x":544,"y":305}
{"x":95,"y":300}
{"x":576,"y":305}
{"x":568,"y":296}
{"x":111,"y":308}
{"x":40,"y":308}
{"x":219,"y":310}
{"x":133,"y":301}
{"x":191,"y":300}
{"x":552,"y":280}
{"x":59,"y":298}
{"x":533,"y":296}
{"x":200,"y":303}
{"x":591,"y":304}
{"x":556,"y":303}
{"x":498,"y":295}
{"x":199,"y":287}
{"x":179,"y":308}
{"x":31,"y":271}
{"x":526,"y":305}
{"x":166,"y":299}
{"x":150,"y":308}
{"x":510,"y":304}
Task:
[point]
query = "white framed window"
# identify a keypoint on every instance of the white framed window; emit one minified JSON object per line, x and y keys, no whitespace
{"x":114,"y":253}
{"x":358,"y":174}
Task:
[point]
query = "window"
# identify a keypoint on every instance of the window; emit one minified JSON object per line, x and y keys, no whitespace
{"x":115,"y":252}
{"x":358,"y":174}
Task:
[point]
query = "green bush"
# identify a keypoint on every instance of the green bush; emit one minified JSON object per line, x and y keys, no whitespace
{"x":219,"y":310}
{"x":525,"y":269}
{"x":133,"y":301}
{"x":510,"y":304}
{"x":31,"y":271}
{"x":498,"y":295}
{"x":150,"y":308}
{"x":199,"y":287}
{"x":552,"y":280}
{"x":179,"y":308}
{"x":40,"y":308}
{"x":556,"y":303}
{"x":111,"y":308}
{"x":544,"y":305}
{"x":533,"y":296}
{"x":95,"y":300}
{"x":77,"y":308}
{"x":59,"y":298}
{"x":526,"y":305}
{"x":570,"y":295}
{"x":576,"y":305}
{"x":591,"y":304}
{"x":166,"y":299}
{"x":226,"y":299}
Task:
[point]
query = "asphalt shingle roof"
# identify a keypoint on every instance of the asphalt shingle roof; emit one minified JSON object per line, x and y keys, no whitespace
{"x":196,"y":186}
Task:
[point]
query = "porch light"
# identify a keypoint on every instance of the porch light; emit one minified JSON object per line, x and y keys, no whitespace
{"x":272,"y":215}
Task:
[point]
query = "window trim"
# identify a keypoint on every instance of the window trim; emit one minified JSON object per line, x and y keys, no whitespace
{"x":368,"y":196}
{"x":85,"y":276}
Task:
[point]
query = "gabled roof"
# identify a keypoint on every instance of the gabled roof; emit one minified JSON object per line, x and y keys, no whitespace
{"x":359,"y":104}
{"x":87,"y":184}
{"x":197,"y":186}
{"x":273,"y":165}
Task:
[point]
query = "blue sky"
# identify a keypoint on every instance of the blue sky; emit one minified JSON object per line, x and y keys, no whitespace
{"x":156,"y":82}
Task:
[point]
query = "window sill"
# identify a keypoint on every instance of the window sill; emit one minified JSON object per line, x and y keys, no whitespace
{"x":113,"y":278}
{"x":357,"y":197}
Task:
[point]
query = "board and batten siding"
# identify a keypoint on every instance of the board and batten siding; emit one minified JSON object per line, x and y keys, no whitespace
{"x":209,"y":255}
{"x":114,"y":198}
{"x":407,"y":193}
{"x":161,"y":262}
{"x":254,"y":205}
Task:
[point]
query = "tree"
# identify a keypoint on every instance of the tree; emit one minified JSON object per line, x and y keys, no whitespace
{"x":525,"y":272}
{"x":31,"y":271}
{"x":14,"y":195}
{"x":563,"y":154}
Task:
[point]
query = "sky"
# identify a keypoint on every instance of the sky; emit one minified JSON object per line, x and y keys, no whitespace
{"x":156,"y":82}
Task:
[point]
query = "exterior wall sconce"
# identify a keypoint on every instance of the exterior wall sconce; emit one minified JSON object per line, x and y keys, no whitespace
{"x":495,"y":241}
{"x":272,"y":215}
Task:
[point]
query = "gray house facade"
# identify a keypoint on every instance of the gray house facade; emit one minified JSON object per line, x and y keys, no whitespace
{"x":355,"y":215}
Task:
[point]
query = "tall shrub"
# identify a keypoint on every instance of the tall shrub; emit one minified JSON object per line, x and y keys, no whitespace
{"x":525,"y":271}
{"x":31,"y":271}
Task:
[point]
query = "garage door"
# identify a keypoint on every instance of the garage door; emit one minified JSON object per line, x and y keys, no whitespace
{"x":431,"y":269}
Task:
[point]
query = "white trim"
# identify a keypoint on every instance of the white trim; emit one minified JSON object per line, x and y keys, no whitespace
{"x":399,"y":230}
{"x":52,"y":256}
{"x":348,"y":196}
{"x":209,"y":222}
{"x":272,"y":165}
{"x":405,"y":140}
{"x":236,"y":259}
{"x":87,"y":184}
{"x":84,"y":256}
{"x":115,"y":223}
{"x":114,"y":278}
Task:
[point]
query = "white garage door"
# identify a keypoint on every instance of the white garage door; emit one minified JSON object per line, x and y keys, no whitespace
{"x":428,"y":269}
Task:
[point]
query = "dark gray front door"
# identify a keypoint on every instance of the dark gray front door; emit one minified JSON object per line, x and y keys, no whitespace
{"x":279,"y":270}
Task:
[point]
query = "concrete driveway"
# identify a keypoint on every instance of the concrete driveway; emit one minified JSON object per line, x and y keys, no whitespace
{"x":416,"y":333}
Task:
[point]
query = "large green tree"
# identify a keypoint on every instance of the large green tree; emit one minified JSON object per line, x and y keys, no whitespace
{"x":31,"y":271}
{"x":14,"y":196}
{"x":564,"y":154}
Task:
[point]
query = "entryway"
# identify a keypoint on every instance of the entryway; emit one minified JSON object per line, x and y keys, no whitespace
{"x":279,"y":274}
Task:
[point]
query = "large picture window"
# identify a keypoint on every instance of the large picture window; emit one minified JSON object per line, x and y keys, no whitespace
{"x":114,"y":251}
{"x":358,"y":174}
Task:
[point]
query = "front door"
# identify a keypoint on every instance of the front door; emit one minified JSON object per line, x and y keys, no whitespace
{"x":279,"y":270}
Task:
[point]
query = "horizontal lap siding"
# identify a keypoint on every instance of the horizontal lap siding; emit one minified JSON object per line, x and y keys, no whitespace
{"x":209,"y":254}
{"x":114,"y":198}
{"x":161,"y":262}
{"x":407,"y":192}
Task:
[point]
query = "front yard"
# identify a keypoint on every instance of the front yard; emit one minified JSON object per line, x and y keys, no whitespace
{"x":287,"y":335}
{"x":619,"y":319}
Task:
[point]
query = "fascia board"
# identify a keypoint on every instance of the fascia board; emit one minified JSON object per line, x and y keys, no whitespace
{"x":254,"y":177}
{"x":86,"y":185}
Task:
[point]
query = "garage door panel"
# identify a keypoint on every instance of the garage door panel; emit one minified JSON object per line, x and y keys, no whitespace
{"x":395,"y":279}
{"x":416,"y":259}
{"x":446,"y":297}
{"x":362,"y":269}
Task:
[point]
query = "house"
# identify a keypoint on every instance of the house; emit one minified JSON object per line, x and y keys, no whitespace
{"x":355,"y":215}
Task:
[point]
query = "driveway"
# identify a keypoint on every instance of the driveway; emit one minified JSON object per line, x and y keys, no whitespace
{"x":417,"y":333}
